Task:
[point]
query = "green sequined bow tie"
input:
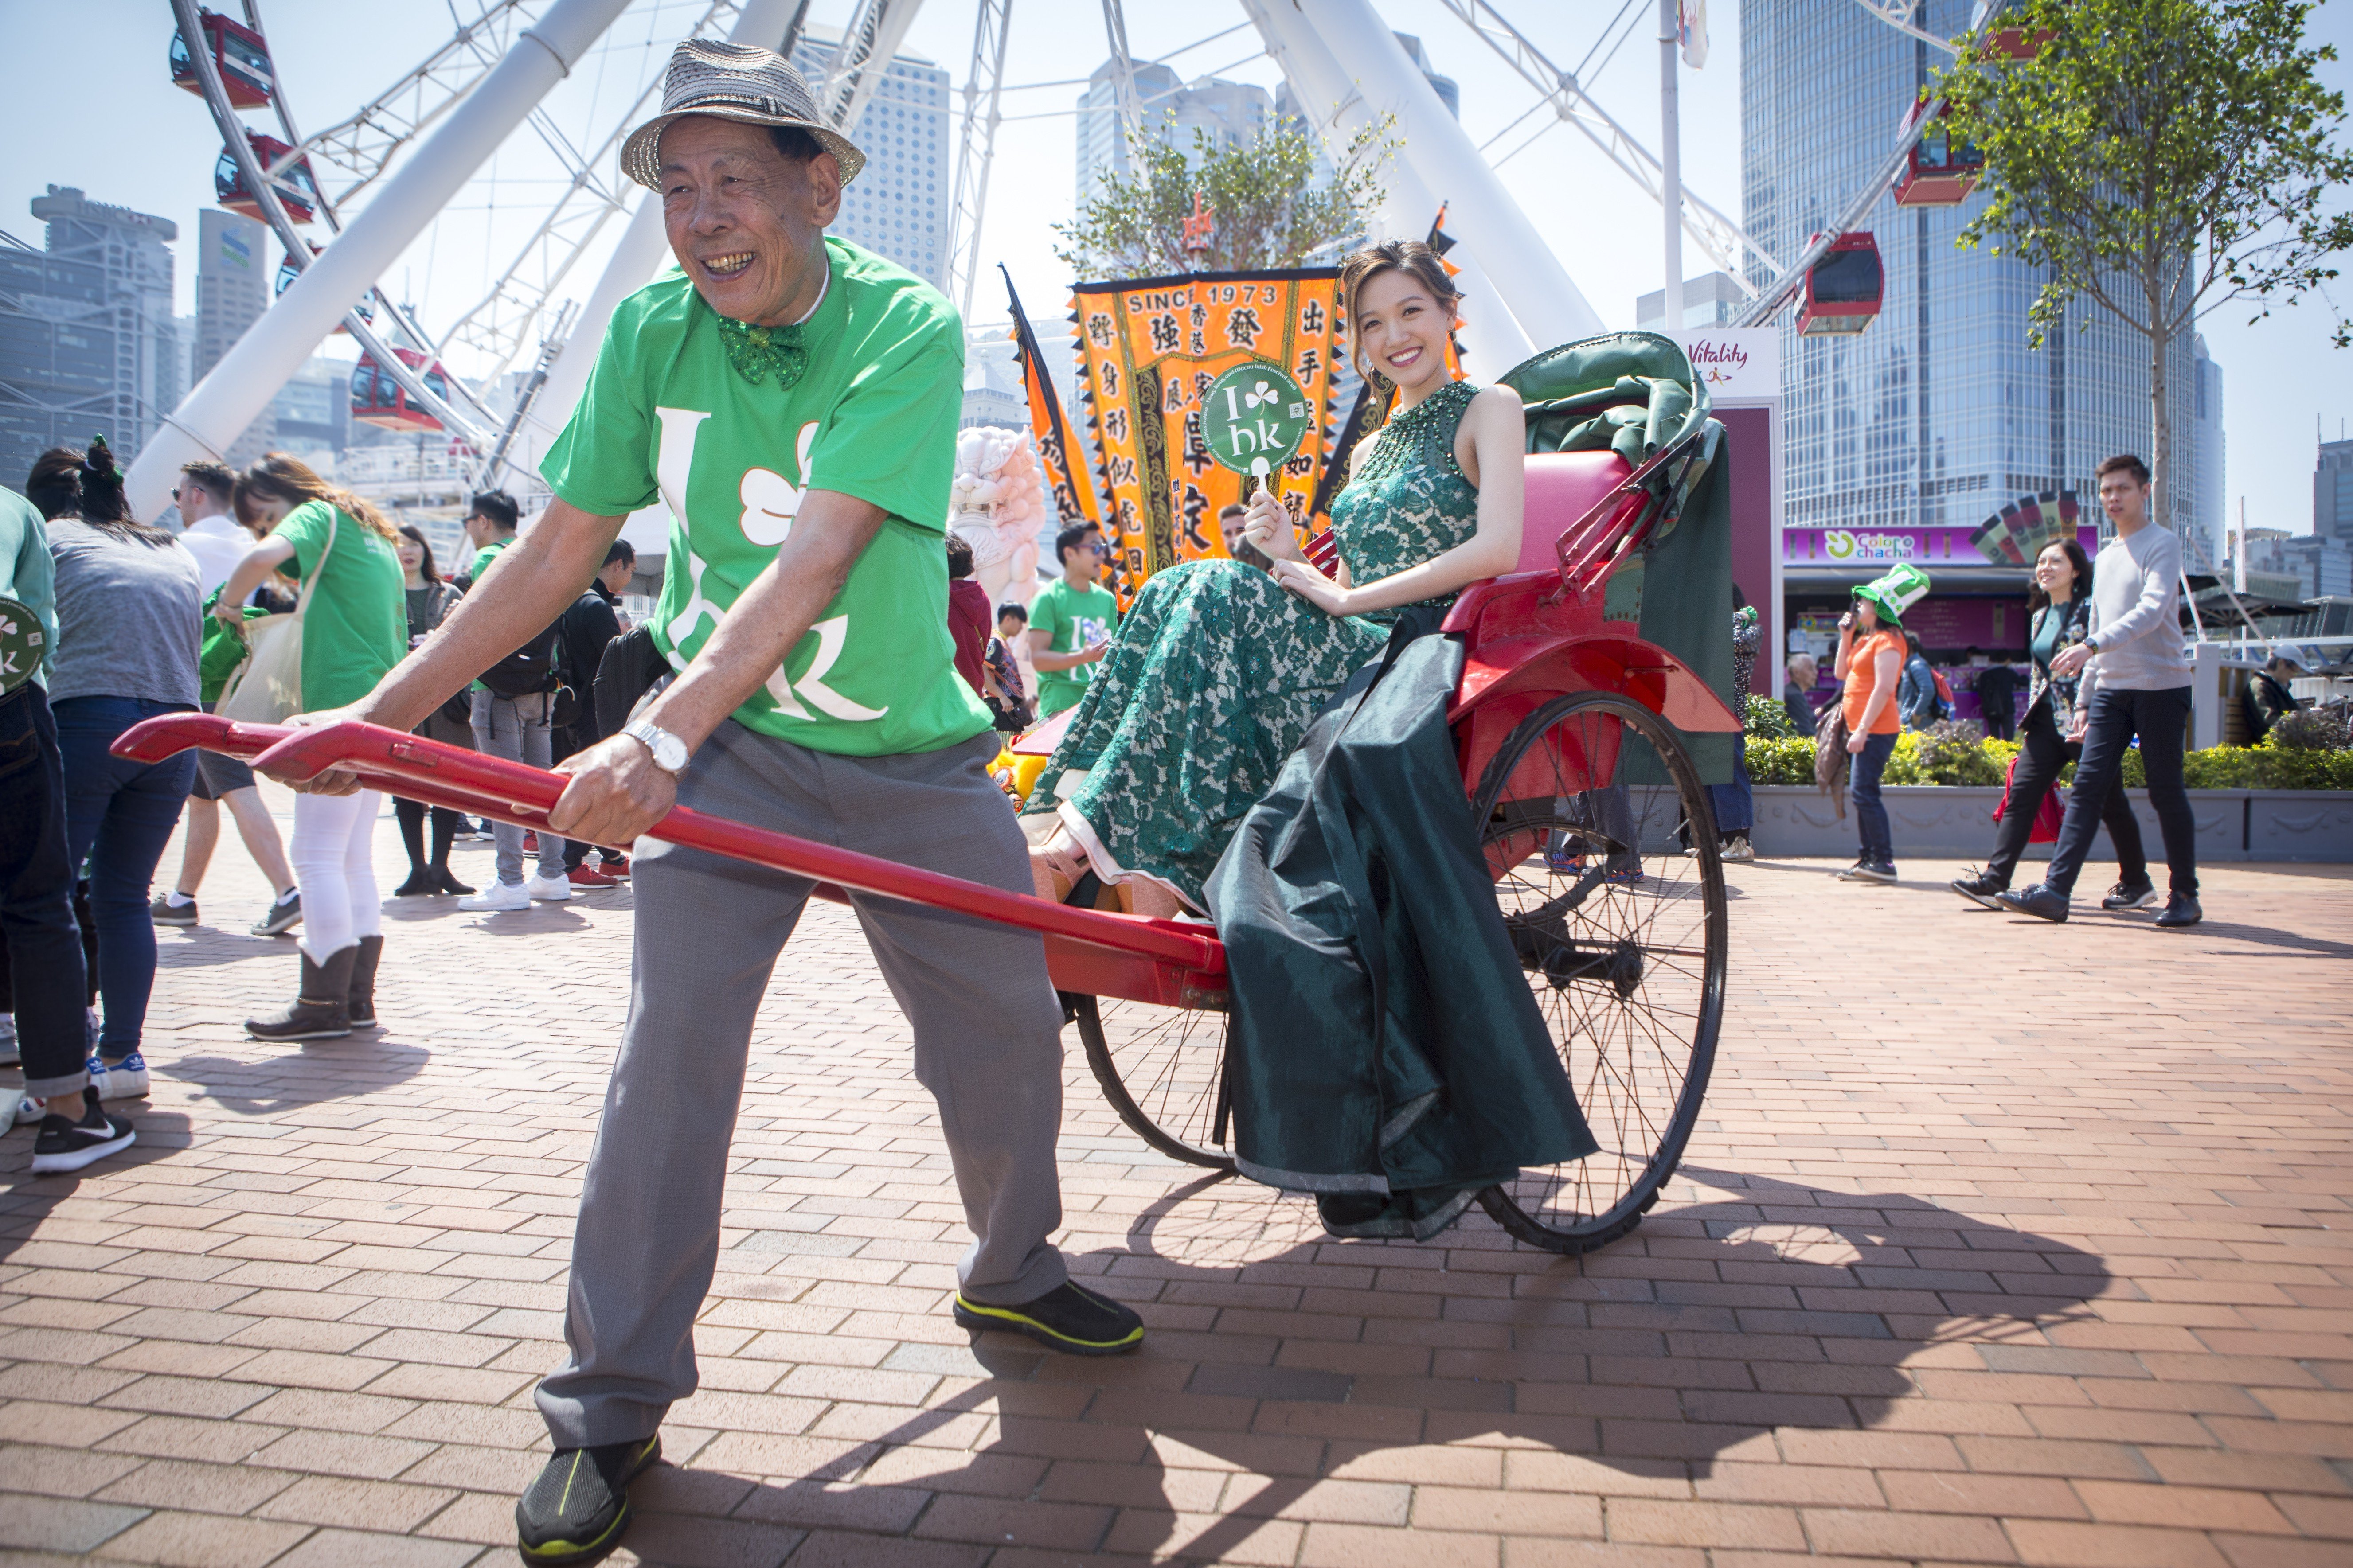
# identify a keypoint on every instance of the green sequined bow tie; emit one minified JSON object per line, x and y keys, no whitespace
{"x":757,"y":350}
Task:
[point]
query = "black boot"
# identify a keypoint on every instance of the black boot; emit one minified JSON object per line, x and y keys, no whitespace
{"x":451,"y":885}
{"x":361,"y":1008}
{"x":319,"y":1012}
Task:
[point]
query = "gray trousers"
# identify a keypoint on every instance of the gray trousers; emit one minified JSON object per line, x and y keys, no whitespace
{"x":515,"y":728}
{"x":988,"y":1044}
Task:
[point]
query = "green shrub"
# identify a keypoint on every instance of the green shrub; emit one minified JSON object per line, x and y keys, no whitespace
{"x":1768,"y":719}
{"x":1781,"y":762}
{"x":1950,"y":754}
{"x":2306,"y":729}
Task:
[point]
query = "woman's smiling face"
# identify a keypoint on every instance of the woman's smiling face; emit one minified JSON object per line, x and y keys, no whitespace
{"x":2055,"y":572}
{"x":1402,"y":328}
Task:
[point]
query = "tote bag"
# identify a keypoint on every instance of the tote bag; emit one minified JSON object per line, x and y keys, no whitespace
{"x":2048,"y":816}
{"x":267,"y":688}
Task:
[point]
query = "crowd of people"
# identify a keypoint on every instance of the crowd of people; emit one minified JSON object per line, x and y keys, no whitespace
{"x":2109,"y":673}
{"x":835,"y":679}
{"x":138,"y":620}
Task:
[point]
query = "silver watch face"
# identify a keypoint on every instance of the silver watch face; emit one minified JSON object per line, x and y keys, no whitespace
{"x":668,"y":751}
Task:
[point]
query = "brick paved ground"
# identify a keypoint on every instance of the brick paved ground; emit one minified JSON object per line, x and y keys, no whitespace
{"x":2000,"y":1243}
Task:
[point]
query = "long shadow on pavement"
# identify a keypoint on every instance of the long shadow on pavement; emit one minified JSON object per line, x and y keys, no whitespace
{"x":1775,"y":1307}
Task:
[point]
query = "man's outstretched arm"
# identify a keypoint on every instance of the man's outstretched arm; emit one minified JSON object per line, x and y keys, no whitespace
{"x":538,"y":577}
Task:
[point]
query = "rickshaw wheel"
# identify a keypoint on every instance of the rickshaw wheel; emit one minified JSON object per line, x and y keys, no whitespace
{"x":1623,"y":940}
{"x":1162,"y":1070}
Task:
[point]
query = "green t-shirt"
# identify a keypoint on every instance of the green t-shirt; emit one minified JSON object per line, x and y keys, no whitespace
{"x":484,"y":556}
{"x":1077,"y":617}
{"x":358,"y":627}
{"x":667,"y":416}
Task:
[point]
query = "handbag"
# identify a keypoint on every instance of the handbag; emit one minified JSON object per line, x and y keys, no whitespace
{"x":267,"y":688}
{"x":2048,"y":816}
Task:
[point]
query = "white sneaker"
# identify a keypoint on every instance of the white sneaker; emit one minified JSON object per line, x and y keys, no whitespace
{"x":496,"y":897}
{"x":126,"y":1080}
{"x":28,"y":1107}
{"x":549,"y":889}
{"x":9,"y":1055}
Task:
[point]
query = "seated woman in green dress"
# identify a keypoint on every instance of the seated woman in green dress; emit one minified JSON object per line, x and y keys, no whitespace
{"x":1218,"y":668}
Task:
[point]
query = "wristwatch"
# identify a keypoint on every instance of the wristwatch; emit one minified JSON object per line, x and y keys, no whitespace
{"x":668,"y":750}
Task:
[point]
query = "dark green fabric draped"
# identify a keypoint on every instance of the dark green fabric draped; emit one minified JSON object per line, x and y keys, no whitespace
{"x":1385,"y":1050}
{"x":1635,"y":392}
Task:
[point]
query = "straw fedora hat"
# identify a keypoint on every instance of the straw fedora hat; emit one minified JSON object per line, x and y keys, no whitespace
{"x":732,"y":81}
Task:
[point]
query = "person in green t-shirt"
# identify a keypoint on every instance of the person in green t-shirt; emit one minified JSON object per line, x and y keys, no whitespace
{"x":355,"y":626}
{"x":793,"y":401}
{"x":1070,"y":622}
{"x":490,"y":519}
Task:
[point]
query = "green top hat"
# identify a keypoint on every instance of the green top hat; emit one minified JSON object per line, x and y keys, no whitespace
{"x":1903,"y":587}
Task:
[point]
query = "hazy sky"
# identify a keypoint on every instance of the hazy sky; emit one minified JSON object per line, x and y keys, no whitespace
{"x":124,"y":135}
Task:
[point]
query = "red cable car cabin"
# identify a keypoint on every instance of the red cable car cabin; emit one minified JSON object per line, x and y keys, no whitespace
{"x":297,"y":190}
{"x":377,"y":399}
{"x":1940,"y":171}
{"x":239,"y":53}
{"x":286,"y":276}
{"x":1842,"y":290}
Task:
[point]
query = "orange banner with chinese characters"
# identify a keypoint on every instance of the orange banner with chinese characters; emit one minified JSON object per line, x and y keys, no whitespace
{"x":1149,"y":349}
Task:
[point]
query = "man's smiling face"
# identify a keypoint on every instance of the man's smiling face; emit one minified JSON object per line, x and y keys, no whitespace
{"x":747,"y":222}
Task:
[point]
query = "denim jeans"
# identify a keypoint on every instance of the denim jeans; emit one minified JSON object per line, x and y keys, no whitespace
{"x":1870,"y":812}
{"x":2160,"y":720}
{"x":46,"y":973}
{"x":119,"y":816}
{"x":515,"y":728}
{"x":1735,"y":803}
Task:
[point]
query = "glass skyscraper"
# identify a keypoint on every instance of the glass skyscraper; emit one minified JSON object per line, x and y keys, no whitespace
{"x":1937,"y":415}
{"x":898,"y":207}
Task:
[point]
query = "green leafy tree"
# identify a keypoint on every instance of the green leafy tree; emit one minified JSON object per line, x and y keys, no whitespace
{"x":1265,"y":214}
{"x":2162,"y":158}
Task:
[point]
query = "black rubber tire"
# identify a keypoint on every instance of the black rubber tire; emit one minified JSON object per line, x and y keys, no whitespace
{"x":1173,"y":1101}
{"x":1640,"y":1067}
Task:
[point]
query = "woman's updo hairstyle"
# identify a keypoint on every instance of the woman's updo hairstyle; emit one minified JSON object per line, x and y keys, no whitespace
{"x":1391,"y":256}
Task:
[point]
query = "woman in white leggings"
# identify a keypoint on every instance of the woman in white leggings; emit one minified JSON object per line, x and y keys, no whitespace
{"x":356,"y":629}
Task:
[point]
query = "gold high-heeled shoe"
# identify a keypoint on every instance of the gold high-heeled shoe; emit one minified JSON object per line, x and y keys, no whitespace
{"x":1056,"y":866}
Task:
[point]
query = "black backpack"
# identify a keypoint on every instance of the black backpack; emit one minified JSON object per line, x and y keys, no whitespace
{"x":530,"y":669}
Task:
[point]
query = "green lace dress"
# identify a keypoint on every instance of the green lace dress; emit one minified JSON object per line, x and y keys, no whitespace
{"x":1216,"y":672}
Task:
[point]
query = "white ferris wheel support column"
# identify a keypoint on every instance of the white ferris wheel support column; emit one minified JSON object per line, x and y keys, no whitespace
{"x":237,"y":388}
{"x":1548,"y":305}
{"x":635,"y":260}
{"x":1671,"y":162}
{"x":1495,"y":341}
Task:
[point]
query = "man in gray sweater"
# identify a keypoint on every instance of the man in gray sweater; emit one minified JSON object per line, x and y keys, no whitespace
{"x":2135,"y":683}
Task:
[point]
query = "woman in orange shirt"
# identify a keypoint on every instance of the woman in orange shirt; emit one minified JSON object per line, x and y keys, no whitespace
{"x":1870,"y":661}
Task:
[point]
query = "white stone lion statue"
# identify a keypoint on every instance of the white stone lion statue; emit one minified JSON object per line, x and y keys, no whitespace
{"x":996,"y":504}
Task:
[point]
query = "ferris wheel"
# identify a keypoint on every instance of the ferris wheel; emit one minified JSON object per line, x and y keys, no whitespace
{"x":348,"y":200}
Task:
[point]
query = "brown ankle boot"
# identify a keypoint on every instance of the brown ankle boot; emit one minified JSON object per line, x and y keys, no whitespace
{"x":320,"y":1011}
{"x":360,"y":1008}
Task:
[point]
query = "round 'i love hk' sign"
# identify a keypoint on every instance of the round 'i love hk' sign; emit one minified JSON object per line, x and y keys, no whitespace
{"x":1253,"y":418}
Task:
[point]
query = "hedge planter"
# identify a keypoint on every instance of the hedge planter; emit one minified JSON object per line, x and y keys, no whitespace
{"x":1951,"y":821}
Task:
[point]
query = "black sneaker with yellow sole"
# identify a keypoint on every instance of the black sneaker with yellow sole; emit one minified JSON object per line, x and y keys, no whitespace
{"x":578,"y":1508}
{"x":1069,"y":1317}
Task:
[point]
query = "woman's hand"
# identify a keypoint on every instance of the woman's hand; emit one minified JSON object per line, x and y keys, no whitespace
{"x":1300,"y":578}
{"x":1856,"y":741}
{"x":230,"y":614}
{"x":1267,"y":525}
